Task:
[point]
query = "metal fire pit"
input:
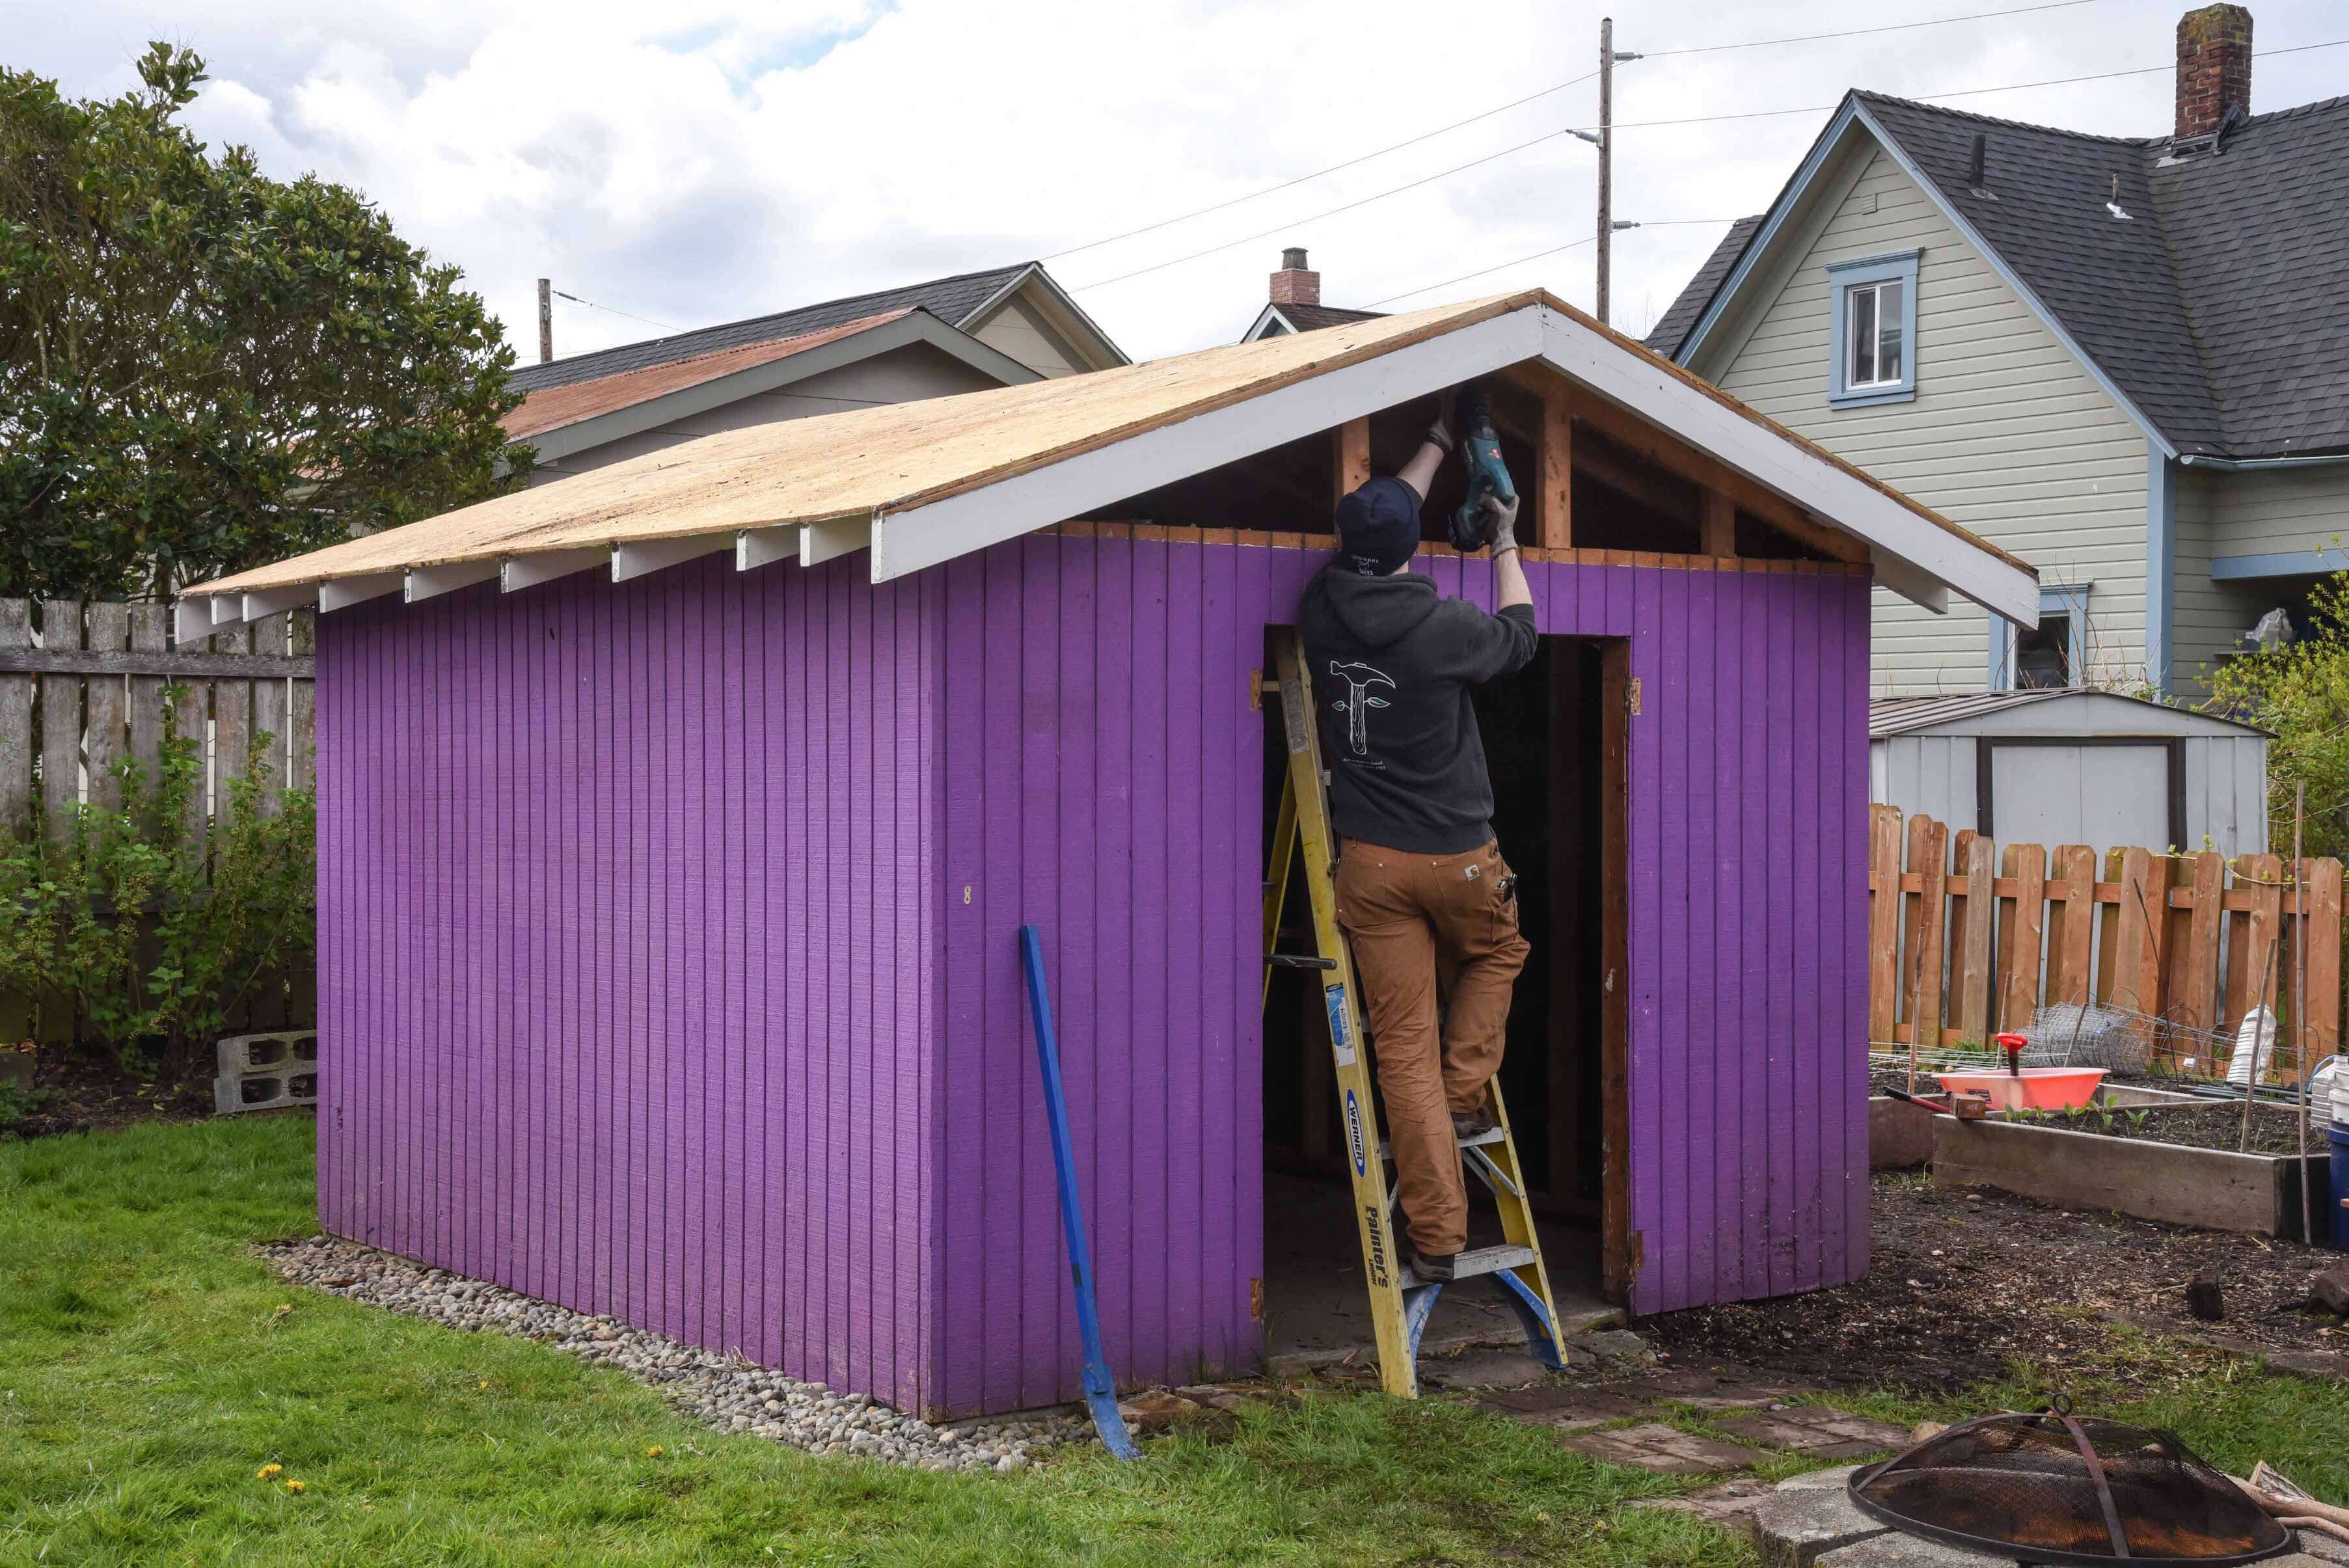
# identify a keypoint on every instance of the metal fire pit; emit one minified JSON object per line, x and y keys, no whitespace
{"x":2051,"y":1488}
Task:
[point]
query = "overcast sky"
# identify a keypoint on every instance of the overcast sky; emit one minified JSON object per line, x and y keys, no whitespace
{"x":701,"y":160}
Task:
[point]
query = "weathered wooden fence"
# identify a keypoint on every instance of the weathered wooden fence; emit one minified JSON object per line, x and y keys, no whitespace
{"x":84,"y":688}
{"x":1967,"y":939}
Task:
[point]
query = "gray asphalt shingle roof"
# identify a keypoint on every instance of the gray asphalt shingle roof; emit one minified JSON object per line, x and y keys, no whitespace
{"x":950,"y":299}
{"x":2216,"y":305}
{"x":1672,"y":328}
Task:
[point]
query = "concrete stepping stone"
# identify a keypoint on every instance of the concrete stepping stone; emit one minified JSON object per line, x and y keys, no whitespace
{"x":1652,"y":1446}
{"x":1483,"y":1369}
{"x":1816,"y":1432}
{"x":1568,"y":1407}
{"x":1706,"y":1391}
{"x":1729,"y":1504}
{"x":1796,"y":1528}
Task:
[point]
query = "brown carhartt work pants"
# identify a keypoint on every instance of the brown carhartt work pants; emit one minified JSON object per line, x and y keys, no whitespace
{"x":1413,"y":920}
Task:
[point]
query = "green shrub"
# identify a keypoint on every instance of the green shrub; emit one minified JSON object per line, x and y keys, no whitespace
{"x":137,"y":937}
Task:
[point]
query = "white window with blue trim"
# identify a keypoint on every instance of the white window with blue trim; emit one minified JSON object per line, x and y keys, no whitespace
{"x":2051,"y":654}
{"x":1875,"y":334}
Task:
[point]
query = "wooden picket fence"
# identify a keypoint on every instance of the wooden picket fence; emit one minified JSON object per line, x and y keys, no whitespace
{"x":85,"y":687}
{"x":1967,"y":939}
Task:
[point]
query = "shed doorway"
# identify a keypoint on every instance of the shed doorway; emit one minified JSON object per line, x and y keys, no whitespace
{"x":1553,"y":738}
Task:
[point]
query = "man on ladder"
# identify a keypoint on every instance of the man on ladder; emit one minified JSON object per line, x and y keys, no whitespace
{"x":1422,"y":890}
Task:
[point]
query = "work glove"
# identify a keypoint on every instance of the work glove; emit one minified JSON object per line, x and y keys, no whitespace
{"x":1441,"y":432}
{"x":1501,"y":528}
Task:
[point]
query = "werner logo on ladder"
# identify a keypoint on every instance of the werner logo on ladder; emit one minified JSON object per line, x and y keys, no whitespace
{"x":1398,"y":856}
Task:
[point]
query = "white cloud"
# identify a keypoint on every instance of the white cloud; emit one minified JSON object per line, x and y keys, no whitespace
{"x":705,"y":160}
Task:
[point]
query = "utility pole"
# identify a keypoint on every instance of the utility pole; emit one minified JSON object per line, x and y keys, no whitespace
{"x":1605,"y":156}
{"x":546,"y":319}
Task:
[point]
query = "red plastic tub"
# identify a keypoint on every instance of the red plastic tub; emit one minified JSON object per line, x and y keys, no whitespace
{"x":2038,"y":1089}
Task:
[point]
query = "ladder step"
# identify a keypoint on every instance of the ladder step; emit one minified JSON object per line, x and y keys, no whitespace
{"x":1478,"y":1261}
{"x":1490,"y":1135}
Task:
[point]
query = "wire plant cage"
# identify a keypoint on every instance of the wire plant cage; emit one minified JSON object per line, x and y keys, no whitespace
{"x":2054,"y":1487}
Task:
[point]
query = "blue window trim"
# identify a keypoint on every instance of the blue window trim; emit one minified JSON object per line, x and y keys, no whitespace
{"x":2067,"y":599}
{"x":1842,"y":276}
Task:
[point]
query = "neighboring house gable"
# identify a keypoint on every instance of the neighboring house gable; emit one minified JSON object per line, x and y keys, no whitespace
{"x":2193,"y":281}
{"x":995,"y":328}
{"x":2002,"y":427}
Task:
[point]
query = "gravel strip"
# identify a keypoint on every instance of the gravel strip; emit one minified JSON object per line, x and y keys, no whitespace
{"x":727,"y":1392}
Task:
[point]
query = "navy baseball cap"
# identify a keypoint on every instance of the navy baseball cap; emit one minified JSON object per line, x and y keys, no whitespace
{"x":1378,"y":525}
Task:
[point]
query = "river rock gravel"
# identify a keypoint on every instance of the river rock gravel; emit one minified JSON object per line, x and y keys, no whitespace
{"x":725,"y":1392}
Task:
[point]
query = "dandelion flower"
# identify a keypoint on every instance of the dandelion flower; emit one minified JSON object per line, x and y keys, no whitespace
{"x":267,"y":1472}
{"x":655,"y":1452}
{"x":485,"y":1382}
{"x":296,"y":1487}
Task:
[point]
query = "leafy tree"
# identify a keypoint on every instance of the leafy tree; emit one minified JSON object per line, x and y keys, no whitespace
{"x":202,"y":368}
{"x":2299,"y":690}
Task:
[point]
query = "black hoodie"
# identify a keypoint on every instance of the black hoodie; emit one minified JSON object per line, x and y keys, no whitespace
{"x":1392,"y":663}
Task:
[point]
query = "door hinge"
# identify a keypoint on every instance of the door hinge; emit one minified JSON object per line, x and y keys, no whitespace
{"x":1631,"y":697}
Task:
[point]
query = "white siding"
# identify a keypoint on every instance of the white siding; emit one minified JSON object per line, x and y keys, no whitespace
{"x":1017,"y":330}
{"x":2008,"y":434}
{"x":904,"y":374}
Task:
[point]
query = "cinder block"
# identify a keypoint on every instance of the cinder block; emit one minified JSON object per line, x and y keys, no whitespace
{"x":266,"y":1072}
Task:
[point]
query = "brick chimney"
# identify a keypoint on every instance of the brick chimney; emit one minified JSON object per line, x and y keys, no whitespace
{"x":2214,"y":68}
{"x":1295,"y":283}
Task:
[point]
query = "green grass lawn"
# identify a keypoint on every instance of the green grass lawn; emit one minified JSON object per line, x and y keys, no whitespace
{"x":149,"y":1366}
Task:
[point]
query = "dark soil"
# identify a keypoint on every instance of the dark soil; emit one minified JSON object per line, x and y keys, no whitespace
{"x":1971,"y":1284}
{"x":77,"y":1090}
{"x":2274,"y":1130}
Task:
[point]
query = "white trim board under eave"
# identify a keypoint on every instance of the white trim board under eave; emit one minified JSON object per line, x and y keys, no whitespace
{"x":926,"y":535}
{"x":1913,"y":555}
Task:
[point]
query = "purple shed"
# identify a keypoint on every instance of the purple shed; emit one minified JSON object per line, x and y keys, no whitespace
{"x":677,"y":821}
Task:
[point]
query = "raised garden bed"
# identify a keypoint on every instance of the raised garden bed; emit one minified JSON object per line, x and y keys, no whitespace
{"x":2172,"y":1162}
{"x":1901,"y":1136}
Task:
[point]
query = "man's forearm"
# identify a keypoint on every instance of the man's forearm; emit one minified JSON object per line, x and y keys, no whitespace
{"x":1509,"y":577}
{"x":1420,"y":473}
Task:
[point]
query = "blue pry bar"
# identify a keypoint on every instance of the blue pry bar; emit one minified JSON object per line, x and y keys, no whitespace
{"x":1101,"y":1392}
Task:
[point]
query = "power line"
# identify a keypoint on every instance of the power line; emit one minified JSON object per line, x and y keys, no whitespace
{"x":1962,"y":92}
{"x":615,"y":310}
{"x":1861,"y":32}
{"x":1529,"y":97}
{"x":1539,"y":255}
{"x":1634,"y":125}
{"x":1334,"y":167}
{"x":1496,"y":267}
{"x":1330,"y":212}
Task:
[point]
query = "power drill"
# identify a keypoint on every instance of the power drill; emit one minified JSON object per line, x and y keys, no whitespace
{"x":1480,"y":449}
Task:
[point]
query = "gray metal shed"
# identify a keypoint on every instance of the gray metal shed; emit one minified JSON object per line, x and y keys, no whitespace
{"x":2072,"y":766}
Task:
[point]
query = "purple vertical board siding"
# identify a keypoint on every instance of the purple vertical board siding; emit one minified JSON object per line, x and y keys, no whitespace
{"x":667,"y":957}
{"x":558,"y":924}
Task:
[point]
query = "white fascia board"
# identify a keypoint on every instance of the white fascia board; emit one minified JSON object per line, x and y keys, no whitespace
{"x":926,"y":535}
{"x":1909,"y":580}
{"x":270,"y":601}
{"x":915,"y":326}
{"x":1265,"y":318}
{"x":430,"y":582}
{"x":228,"y":609}
{"x":823,"y":542}
{"x":650,"y":555}
{"x":1890,"y":529}
{"x":757,"y":547}
{"x":342,"y":592}
{"x":192,"y":619}
{"x":516,"y":573}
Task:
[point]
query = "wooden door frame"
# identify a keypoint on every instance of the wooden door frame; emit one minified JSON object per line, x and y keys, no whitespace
{"x":1618,"y":1250}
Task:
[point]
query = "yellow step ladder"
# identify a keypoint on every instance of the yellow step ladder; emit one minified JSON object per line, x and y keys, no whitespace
{"x":1401,"y":1304}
